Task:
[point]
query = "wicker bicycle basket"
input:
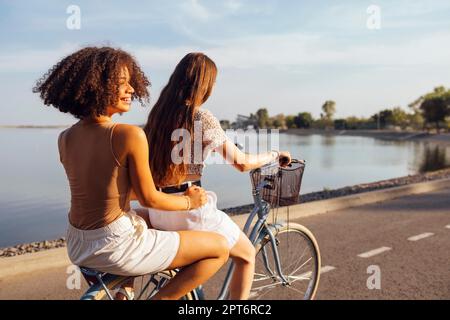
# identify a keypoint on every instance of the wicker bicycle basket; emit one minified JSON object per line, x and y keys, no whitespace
{"x":284,"y":183}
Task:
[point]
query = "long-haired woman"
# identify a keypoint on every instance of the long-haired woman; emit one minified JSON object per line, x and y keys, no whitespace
{"x":105,"y":163}
{"x":177,"y":165}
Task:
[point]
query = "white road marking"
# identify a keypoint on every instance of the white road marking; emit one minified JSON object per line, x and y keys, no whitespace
{"x":374,"y":252}
{"x":326,"y":269}
{"x":323,"y":270}
{"x":421,"y":236}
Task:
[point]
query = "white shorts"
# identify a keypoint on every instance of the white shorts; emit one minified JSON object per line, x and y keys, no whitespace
{"x":124,"y":247}
{"x":206,"y":218}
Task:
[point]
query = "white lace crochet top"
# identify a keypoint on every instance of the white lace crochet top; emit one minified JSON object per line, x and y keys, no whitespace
{"x":213,"y":137}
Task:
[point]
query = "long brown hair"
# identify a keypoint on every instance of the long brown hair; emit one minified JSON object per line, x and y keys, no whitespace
{"x":190,"y":85}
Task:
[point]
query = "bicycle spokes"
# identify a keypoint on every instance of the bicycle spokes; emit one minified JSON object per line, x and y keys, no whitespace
{"x":297,"y":272}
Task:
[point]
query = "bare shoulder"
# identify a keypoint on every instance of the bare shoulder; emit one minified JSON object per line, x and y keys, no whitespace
{"x":64,"y":134}
{"x":128,"y":137}
{"x":128,"y":131}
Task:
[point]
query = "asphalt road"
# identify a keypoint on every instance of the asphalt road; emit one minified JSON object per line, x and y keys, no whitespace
{"x":412,"y":234}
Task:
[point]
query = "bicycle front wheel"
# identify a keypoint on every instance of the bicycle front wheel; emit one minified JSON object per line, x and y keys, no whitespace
{"x":299,"y":257}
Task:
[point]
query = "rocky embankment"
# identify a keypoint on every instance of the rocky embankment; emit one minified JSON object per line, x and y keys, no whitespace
{"x":32,"y":247}
{"x":389,"y":135}
{"x":314,"y":196}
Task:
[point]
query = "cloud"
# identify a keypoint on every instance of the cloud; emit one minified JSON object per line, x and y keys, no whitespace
{"x":196,"y":10}
{"x":309,"y":50}
{"x":233,"y":5}
{"x":34,"y":60}
{"x":289,"y":50}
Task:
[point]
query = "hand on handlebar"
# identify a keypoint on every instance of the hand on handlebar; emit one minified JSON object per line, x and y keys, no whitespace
{"x":285,"y":158}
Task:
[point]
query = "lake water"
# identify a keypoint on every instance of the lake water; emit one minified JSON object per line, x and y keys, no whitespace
{"x":34,"y":194}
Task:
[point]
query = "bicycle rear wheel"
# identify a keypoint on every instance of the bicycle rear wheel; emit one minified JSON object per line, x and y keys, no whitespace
{"x":145,"y":286}
{"x":299,"y":261}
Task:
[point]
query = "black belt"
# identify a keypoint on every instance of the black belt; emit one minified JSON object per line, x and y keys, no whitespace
{"x":182,"y":188}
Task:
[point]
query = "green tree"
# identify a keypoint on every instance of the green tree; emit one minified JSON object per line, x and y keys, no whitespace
{"x":340,"y":124}
{"x":416,"y":119}
{"x":353,"y":123}
{"x":279,"y":121}
{"x":329,"y":109}
{"x":383,"y":118}
{"x":399,"y":117}
{"x":303,"y":120}
{"x":290,"y":122}
{"x":262,"y":116}
{"x":435,"y":106}
{"x":321,"y":123}
{"x":435,"y":110}
{"x":447,"y":123}
{"x":356,"y":123}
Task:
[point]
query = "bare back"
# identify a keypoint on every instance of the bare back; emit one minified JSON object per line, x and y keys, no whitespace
{"x":99,"y":184}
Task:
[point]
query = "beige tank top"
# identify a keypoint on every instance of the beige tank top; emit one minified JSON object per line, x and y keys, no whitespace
{"x":99,"y":184}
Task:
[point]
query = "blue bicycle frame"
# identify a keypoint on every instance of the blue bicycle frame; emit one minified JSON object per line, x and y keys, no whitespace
{"x":259,"y":232}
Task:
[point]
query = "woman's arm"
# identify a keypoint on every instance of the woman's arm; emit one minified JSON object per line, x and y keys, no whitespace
{"x":216,"y":139}
{"x":142,"y":181}
{"x":245,"y":161}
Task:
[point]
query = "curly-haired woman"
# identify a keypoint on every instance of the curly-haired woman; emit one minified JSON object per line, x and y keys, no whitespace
{"x":105,"y":163}
{"x":178,"y":107}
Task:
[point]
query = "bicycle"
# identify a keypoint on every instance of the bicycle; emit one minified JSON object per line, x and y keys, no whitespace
{"x":279,"y":262}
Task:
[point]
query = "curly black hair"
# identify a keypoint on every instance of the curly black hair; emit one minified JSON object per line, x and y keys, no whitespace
{"x":87,"y":81}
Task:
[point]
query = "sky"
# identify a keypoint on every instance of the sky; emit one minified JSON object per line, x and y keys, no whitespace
{"x":286,"y":56}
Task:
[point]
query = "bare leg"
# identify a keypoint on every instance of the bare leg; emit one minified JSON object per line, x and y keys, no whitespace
{"x":203,"y":254}
{"x":243,"y":255}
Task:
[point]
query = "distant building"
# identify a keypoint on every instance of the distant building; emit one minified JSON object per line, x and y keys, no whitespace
{"x":245,"y":122}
